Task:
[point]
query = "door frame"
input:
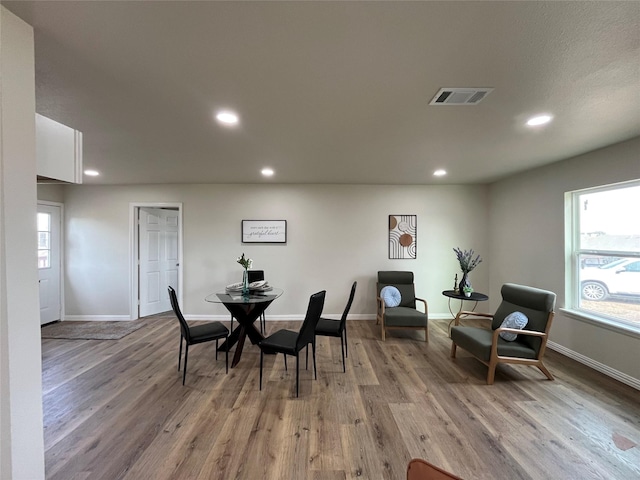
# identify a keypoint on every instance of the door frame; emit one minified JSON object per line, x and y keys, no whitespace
{"x":62,"y":249}
{"x":134,"y":279}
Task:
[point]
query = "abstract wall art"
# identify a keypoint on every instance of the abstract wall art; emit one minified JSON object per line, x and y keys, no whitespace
{"x":403,"y":236}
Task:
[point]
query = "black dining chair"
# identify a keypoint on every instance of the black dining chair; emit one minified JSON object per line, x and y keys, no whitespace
{"x":338,"y":328}
{"x":197,"y":334}
{"x":289,"y":342}
{"x":256,"y":276}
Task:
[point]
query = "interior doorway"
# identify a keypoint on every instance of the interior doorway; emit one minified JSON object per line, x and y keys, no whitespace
{"x":156,"y":256}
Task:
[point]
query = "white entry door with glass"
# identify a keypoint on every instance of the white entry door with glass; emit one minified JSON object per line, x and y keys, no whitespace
{"x":49,"y":263}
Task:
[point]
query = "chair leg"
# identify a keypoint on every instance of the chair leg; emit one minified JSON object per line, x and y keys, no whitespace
{"x":186,"y":356}
{"x":306,"y":359}
{"x":383,"y":339}
{"x":217,"y":349}
{"x":180,"y":353}
{"x":346,"y":344}
{"x":315,"y":372}
{"x":544,"y":370}
{"x":285,"y":361}
{"x":226,"y":354}
{"x":453,"y":350}
{"x":261,"y":360}
{"x":297,"y":372}
{"x":491,"y":375}
{"x":231,"y":324}
{"x":344,"y":368}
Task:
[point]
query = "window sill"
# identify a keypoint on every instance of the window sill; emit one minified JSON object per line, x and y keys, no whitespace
{"x":603,"y":322}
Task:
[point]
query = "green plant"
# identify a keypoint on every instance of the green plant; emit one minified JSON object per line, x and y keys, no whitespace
{"x":245,"y":262}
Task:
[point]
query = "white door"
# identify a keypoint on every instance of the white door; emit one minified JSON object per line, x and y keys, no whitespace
{"x":158,"y":253}
{"x":48,"y":221}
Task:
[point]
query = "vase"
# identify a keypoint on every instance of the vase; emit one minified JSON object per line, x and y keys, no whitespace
{"x":464,"y":282}
{"x":245,"y":282}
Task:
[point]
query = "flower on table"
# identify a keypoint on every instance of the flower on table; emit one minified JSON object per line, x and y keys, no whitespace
{"x":245,"y":262}
{"x":466,"y":260}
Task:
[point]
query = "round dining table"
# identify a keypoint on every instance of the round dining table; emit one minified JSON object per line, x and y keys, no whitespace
{"x":246,"y":309}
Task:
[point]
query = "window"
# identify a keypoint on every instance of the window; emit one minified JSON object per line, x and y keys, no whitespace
{"x":44,"y":240}
{"x":604,"y":241}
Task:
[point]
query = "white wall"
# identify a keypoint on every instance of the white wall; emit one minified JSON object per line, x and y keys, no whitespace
{"x":50,"y":192}
{"x":527,"y":244}
{"x":21,"y":428}
{"x":336,"y":234}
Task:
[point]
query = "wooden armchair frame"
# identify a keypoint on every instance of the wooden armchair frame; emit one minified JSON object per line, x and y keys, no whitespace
{"x":380,"y":319}
{"x":496,"y":359}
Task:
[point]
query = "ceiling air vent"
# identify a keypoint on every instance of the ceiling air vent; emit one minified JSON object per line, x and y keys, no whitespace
{"x":460,"y":96}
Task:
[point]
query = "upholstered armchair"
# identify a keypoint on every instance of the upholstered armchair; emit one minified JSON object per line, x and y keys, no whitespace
{"x":525,"y":344}
{"x":396,"y":307}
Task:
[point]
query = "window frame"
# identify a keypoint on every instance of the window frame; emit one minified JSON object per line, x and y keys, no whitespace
{"x":48,"y":248}
{"x":573,"y":251}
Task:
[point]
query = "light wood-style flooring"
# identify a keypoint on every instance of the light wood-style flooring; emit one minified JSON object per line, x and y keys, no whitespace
{"x":116,"y":409}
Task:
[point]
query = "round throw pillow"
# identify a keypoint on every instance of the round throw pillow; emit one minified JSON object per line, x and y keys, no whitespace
{"x":391,"y":296}
{"x":514,"y":320}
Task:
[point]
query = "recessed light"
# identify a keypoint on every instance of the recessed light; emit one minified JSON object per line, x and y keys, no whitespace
{"x":267,"y":172}
{"x":227,"y":117}
{"x":539,"y":120}
{"x":92,"y":173}
{"x":439,"y":173}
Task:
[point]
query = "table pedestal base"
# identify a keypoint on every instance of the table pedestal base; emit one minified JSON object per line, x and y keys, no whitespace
{"x":246,"y":315}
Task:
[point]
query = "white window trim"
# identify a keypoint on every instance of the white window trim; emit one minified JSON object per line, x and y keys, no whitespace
{"x":572,"y":267}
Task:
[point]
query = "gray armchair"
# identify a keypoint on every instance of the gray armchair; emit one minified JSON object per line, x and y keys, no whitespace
{"x":405,"y":315}
{"x":529,"y":346}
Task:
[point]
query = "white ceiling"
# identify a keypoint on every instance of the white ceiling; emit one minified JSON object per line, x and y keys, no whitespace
{"x":334,"y":92}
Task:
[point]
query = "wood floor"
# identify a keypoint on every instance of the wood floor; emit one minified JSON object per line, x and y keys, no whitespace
{"x":116,"y":409}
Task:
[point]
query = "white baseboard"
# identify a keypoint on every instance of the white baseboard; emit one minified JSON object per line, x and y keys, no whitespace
{"x":600,"y":367}
{"x":97,"y":318}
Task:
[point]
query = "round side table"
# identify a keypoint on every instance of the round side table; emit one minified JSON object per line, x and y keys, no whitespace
{"x":454,"y":294}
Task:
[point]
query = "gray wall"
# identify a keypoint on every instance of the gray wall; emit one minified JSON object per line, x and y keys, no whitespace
{"x":336,"y":234}
{"x":51,"y":192}
{"x":527,"y":244}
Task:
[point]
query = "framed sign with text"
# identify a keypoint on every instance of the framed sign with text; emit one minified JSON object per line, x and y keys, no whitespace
{"x":264,"y":231}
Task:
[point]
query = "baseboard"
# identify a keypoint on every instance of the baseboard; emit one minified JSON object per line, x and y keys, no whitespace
{"x":97,"y":318}
{"x":600,"y":367}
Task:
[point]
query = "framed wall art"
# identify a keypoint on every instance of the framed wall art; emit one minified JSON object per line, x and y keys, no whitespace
{"x":264,"y":231}
{"x":403,"y":236}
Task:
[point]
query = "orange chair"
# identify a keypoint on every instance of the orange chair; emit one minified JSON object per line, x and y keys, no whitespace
{"x":418,"y":469}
